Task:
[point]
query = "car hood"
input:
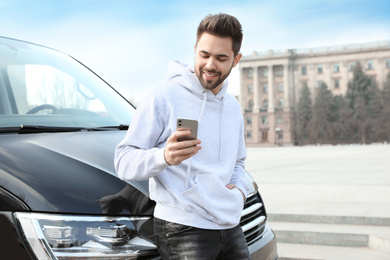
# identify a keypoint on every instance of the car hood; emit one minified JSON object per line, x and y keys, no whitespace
{"x":69,"y":173}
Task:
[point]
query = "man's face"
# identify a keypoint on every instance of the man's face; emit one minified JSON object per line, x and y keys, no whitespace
{"x":214,"y":59}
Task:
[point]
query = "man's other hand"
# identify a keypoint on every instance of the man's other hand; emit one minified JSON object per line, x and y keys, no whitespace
{"x":232,"y":186}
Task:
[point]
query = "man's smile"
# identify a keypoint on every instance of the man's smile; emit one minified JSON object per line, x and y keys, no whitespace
{"x":210,"y":75}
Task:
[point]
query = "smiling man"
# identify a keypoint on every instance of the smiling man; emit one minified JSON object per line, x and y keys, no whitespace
{"x":214,"y":60}
{"x":199,"y":185}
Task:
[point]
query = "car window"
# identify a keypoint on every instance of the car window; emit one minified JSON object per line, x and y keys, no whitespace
{"x":37,"y":87}
{"x":41,"y":86}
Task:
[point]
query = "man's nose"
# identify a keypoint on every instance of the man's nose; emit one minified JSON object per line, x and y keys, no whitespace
{"x":211,"y":64}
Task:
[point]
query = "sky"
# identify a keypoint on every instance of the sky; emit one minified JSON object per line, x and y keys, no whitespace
{"x":129,"y":43}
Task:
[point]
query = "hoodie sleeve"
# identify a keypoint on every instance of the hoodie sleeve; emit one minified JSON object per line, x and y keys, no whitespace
{"x":137,"y":156}
{"x":238,"y":178}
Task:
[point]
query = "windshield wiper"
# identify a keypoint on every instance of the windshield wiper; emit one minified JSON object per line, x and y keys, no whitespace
{"x":119,"y":127}
{"x":9,"y":129}
{"x":30,"y":129}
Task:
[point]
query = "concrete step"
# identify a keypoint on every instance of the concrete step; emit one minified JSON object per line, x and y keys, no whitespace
{"x":349,"y":220}
{"x":287,"y":251}
{"x":374,"y":237}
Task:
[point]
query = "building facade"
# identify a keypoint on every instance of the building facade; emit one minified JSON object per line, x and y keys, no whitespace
{"x":270,"y":82}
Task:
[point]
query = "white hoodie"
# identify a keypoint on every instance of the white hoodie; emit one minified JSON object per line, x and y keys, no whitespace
{"x":193,"y":193}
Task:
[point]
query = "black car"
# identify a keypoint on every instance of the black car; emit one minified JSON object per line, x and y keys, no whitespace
{"x":60,"y":197}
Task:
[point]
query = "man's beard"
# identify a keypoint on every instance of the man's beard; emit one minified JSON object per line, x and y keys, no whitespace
{"x":211,"y":84}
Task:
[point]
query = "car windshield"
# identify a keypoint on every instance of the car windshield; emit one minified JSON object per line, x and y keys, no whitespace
{"x":43,"y":87}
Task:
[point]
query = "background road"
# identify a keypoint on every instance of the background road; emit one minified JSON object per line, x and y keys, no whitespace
{"x":351,"y":180}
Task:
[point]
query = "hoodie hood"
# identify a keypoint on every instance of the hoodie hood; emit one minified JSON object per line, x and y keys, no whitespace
{"x":185,"y":76}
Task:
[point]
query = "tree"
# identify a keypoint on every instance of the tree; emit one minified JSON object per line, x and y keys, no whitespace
{"x":322,"y":115}
{"x":374,"y":111}
{"x":304,"y":116}
{"x":363,"y":115}
{"x":362,"y":96}
{"x":342,"y":120}
{"x":385,"y":115}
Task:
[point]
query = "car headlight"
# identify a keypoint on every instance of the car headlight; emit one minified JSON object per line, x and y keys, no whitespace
{"x":53,"y":236}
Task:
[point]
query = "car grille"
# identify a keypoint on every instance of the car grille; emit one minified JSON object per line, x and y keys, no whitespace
{"x":253,"y":218}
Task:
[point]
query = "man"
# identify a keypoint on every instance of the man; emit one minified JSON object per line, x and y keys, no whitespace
{"x":199,"y":185}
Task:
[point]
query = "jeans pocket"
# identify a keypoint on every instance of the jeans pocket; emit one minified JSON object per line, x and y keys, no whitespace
{"x":175,"y":228}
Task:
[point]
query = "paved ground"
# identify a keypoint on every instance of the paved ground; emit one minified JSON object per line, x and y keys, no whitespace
{"x":351,"y":180}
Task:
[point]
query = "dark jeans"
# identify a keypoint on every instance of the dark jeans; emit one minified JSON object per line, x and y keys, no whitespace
{"x":179,"y":242}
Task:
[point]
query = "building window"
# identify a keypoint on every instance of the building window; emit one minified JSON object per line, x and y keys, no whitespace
{"x":336,"y":83}
{"x":264,"y":136}
{"x":249,"y":134}
{"x":280,"y":87}
{"x":280,"y":103}
{"x":279,"y":134}
{"x":250,"y":89}
{"x":249,"y":120}
{"x":388,"y":63}
{"x":264,"y":72}
{"x":319,"y":69}
{"x":250,"y":73}
{"x":370,"y":65}
{"x":265,"y":87}
{"x":279,"y":71}
{"x":303,"y":70}
{"x":352,"y":65}
{"x":264,"y":120}
{"x":336,"y":68}
{"x":265,"y":103}
{"x":279,"y":120}
{"x":250,"y":104}
{"x":304,"y":84}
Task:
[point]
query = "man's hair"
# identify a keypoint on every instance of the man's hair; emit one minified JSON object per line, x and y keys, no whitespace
{"x":222,"y":25}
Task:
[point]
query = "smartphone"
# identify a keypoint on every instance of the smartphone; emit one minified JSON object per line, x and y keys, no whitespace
{"x":190,"y":124}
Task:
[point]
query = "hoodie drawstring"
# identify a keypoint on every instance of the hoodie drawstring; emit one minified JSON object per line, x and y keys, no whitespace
{"x":220,"y":131}
{"x":203,"y":107}
{"x":199,"y":121}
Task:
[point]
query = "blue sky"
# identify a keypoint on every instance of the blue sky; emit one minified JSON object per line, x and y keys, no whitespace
{"x":129,"y":43}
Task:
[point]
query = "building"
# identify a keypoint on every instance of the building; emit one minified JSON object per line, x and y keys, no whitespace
{"x":270,"y":82}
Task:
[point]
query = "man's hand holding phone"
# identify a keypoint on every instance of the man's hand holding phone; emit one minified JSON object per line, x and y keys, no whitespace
{"x":178,"y":151}
{"x":183,"y":143}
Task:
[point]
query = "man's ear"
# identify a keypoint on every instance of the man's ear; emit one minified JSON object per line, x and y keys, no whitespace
{"x":237,"y":59}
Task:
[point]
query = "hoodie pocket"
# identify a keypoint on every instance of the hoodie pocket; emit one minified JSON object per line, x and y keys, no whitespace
{"x":210,"y":199}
